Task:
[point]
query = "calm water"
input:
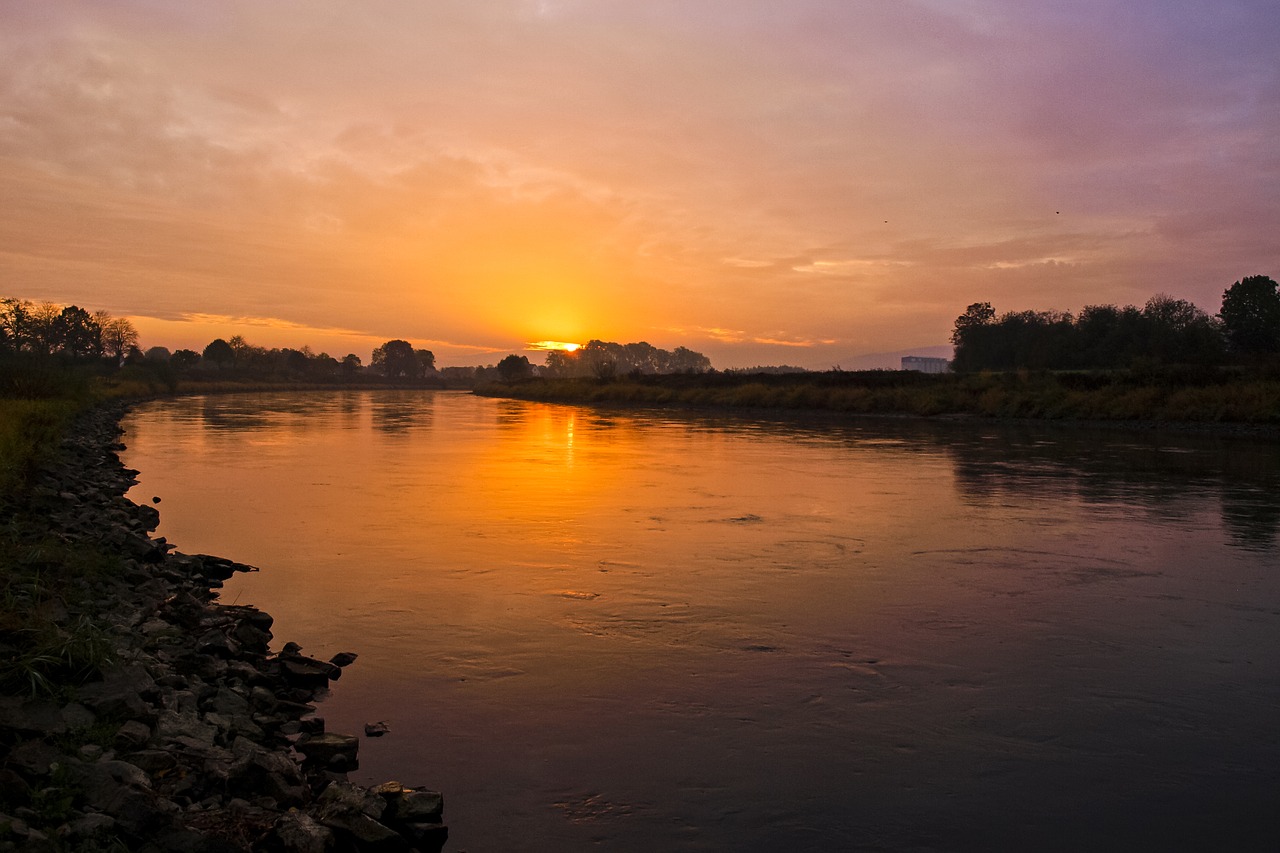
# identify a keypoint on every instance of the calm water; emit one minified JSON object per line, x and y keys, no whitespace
{"x":640,"y":632}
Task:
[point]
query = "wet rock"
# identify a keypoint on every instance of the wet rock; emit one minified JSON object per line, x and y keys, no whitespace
{"x":408,"y":805}
{"x":322,"y":749}
{"x":305,"y":671}
{"x":343,"y":659}
{"x":376,"y":729}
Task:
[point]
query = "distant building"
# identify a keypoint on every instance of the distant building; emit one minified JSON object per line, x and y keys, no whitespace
{"x":922,"y":364}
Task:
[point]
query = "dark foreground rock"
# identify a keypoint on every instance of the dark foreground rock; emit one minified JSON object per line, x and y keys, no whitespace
{"x":197,"y":737}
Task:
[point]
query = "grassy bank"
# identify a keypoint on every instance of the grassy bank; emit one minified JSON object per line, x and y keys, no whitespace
{"x":1203,"y":396}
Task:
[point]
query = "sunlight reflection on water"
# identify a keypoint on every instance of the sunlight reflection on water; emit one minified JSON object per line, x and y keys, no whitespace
{"x":638,"y":631}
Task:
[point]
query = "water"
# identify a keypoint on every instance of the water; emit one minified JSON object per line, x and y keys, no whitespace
{"x":645,"y":631}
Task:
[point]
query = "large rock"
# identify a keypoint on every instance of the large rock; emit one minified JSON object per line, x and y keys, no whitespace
{"x":323,"y":748}
{"x":298,"y":832}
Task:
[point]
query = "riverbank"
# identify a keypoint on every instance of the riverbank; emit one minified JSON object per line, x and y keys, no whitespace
{"x":139,"y":713}
{"x":1195,"y":400}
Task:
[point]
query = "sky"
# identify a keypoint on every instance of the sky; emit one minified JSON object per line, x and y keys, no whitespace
{"x":804,"y":182}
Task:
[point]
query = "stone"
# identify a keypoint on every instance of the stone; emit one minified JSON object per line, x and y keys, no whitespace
{"x":410,"y":806}
{"x":120,"y":694}
{"x":323,"y":748}
{"x":153,"y":762}
{"x":132,"y":735}
{"x":425,"y":836}
{"x":298,"y":832}
{"x":34,"y":716}
{"x":77,"y":716}
{"x":343,"y":659}
{"x":33,"y":757}
{"x":87,"y":826}
{"x":299,"y":670}
{"x":376,"y":729}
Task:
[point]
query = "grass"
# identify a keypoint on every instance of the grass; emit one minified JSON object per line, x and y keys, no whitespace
{"x":1152,"y":395}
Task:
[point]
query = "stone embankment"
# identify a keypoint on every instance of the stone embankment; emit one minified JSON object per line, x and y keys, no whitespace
{"x":196,"y":737}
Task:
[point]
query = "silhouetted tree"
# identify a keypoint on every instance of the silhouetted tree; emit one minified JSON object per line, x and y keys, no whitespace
{"x":513,"y":368}
{"x":184,"y":359}
{"x":1251,"y":315}
{"x":77,"y":334}
{"x":118,"y":338}
{"x":972,"y":337}
{"x":396,"y":359}
{"x":426,"y":361}
{"x":220,"y":354}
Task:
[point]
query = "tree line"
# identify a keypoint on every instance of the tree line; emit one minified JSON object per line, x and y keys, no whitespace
{"x":606,"y":359}
{"x":1165,"y":331}
{"x":70,"y":333}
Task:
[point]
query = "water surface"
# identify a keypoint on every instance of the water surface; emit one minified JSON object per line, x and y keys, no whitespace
{"x":645,"y":631}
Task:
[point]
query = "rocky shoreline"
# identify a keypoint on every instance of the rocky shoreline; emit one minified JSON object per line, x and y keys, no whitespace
{"x":196,"y":736}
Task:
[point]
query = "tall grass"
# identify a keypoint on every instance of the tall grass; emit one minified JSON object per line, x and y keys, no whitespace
{"x":1204,"y":396}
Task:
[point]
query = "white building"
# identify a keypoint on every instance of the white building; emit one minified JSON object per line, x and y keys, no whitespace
{"x":924,"y":365}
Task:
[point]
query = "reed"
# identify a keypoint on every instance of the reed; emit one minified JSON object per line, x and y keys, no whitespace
{"x":1195,"y":396}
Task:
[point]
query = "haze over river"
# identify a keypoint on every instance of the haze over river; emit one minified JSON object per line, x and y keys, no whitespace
{"x":642,"y":631}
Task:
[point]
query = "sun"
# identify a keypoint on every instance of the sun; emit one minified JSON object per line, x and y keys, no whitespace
{"x":553,"y":346}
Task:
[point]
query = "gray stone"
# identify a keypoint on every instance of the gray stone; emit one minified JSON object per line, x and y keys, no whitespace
{"x":77,"y":716}
{"x":132,"y":735}
{"x":153,"y":762}
{"x":342,"y":797}
{"x":409,"y":806}
{"x":87,"y":826}
{"x":32,"y":716}
{"x":298,"y":832}
{"x":34,"y":757}
{"x":120,"y":694}
{"x":323,"y":748}
{"x":425,"y":836}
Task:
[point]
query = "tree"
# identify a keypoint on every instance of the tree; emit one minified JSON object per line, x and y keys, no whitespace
{"x":118,"y":338}
{"x":219,"y":353}
{"x":77,"y":334}
{"x":426,"y":361}
{"x":513,"y":368}
{"x":185,"y":359}
{"x":1251,"y":315}
{"x":971,"y":337}
{"x":396,"y":359}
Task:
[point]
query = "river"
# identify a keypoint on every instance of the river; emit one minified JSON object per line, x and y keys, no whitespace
{"x":639,"y":631}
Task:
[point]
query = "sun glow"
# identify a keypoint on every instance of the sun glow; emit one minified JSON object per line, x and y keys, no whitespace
{"x":551,"y":346}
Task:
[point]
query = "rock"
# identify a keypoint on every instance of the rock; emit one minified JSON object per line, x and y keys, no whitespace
{"x":77,"y":716}
{"x":87,"y":826}
{"x":307,"y":671}
{"x":343,"y":659}
{"x":32,"y":716}
{"x":376,"y":729}
{"x":33,"y":758}
{"x":321,"y":749}
{"x":132,"y":735}
{"x":298,"y":832}
{"x":120,"y":694}
{"x":425,"y":836}
{"x":153,"y":762}
{"x":409,"y":806}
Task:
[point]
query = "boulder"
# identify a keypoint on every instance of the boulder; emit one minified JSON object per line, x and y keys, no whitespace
{"x":322,"y":749}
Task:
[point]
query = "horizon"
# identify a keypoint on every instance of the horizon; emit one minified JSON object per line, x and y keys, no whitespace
{"x":814,"y":184}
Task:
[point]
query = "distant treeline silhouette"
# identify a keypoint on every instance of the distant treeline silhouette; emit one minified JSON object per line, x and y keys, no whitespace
{"x":605,"y":359}
{"x":1166,"y":331}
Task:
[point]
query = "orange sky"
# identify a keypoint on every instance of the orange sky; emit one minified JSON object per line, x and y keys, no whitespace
{"x":802,"y":182}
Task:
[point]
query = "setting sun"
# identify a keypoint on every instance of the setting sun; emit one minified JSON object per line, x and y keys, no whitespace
{"x":550,"y":346}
